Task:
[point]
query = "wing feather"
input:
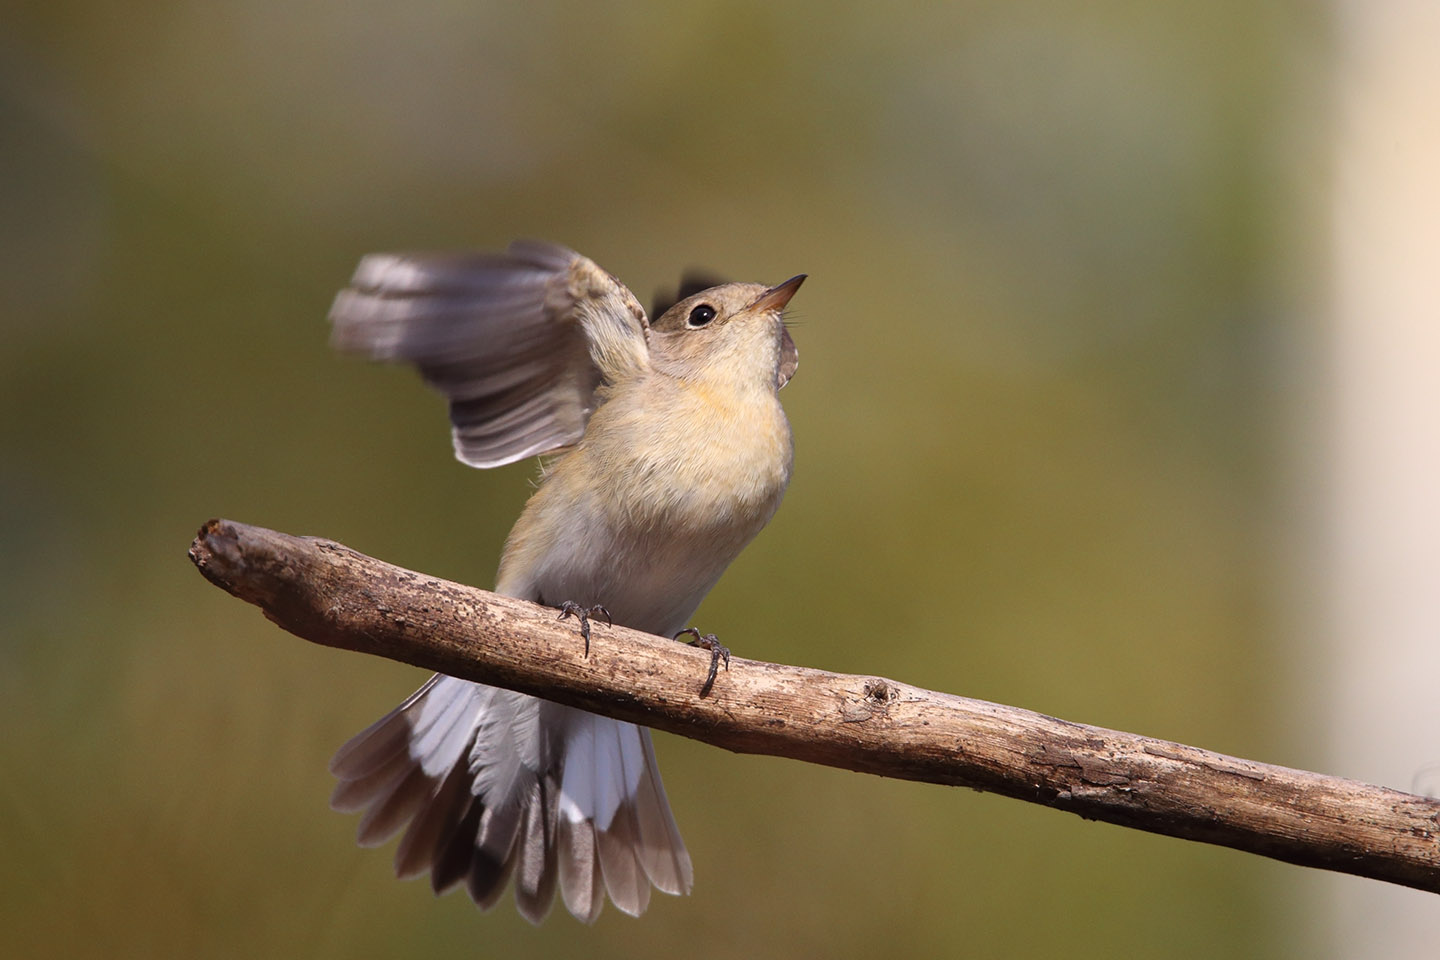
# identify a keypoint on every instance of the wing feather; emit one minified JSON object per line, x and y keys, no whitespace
{"x":519,"y":342}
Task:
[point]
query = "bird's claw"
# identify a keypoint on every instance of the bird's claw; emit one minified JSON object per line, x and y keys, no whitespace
{"x":572,"y":609}
{"x":708,"y":641}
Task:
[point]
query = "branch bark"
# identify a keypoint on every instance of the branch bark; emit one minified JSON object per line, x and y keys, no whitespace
{"x":327,"y":593}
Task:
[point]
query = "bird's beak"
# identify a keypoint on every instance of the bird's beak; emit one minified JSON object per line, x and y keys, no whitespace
{"x":774,"y":299}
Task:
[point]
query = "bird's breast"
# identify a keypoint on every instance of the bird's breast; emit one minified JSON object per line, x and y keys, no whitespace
{"x":707,"y":457}
{"x":663,"y":492}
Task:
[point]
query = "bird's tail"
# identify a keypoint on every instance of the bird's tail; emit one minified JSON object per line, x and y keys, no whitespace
{"x":491,"y":785}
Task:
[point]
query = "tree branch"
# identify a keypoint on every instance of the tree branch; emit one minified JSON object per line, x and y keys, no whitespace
{"x":328,"y":593}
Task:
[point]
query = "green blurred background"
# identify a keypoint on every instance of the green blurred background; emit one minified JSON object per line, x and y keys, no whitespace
{"x":1053,"y":277}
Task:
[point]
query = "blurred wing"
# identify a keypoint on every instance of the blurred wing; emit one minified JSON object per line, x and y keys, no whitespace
{"x":789,"y":358}
{"x":517,"y":341}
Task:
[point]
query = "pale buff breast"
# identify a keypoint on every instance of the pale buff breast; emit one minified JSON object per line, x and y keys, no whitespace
{"x":697,"y":456}
{"x":646,"y":518}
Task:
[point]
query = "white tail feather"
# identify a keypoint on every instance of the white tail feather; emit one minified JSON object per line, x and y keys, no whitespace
{"x":560,"y":796}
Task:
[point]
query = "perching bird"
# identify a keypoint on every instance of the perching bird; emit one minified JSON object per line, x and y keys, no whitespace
{"x":669,"y":452}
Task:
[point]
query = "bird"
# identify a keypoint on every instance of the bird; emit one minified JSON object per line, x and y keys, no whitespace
{"x":664,"y":452}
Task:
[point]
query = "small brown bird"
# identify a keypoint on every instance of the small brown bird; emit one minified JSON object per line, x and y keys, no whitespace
{"x":670,"y":452}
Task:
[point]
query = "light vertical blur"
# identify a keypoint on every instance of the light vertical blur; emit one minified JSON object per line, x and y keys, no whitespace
{"x":1050,"y":291}
{"x":1379,"y":446}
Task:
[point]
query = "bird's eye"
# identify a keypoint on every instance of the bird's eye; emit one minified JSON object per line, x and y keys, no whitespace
{"x":701,"y":315}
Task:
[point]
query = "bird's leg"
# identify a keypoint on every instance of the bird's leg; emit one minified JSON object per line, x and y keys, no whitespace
{"x":572,"y":609}
{"x":717,"y":650}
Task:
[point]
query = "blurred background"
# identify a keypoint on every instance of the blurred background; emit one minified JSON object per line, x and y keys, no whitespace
{"x":1114,"y":403}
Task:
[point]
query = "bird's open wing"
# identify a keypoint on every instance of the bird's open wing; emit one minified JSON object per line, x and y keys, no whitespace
{"x":517,"y":341}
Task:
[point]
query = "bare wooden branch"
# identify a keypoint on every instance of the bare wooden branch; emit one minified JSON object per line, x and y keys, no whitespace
{"x":328,"y":593}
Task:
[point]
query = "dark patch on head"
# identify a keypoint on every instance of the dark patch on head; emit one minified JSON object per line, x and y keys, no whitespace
{"x":693,"y":281}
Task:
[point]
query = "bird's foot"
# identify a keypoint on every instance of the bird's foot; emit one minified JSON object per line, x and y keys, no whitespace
{"x":708,"y":641}
{"x":572,"y":609}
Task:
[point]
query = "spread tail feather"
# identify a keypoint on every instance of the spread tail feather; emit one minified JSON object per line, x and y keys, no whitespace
{"x":491,"y":786}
